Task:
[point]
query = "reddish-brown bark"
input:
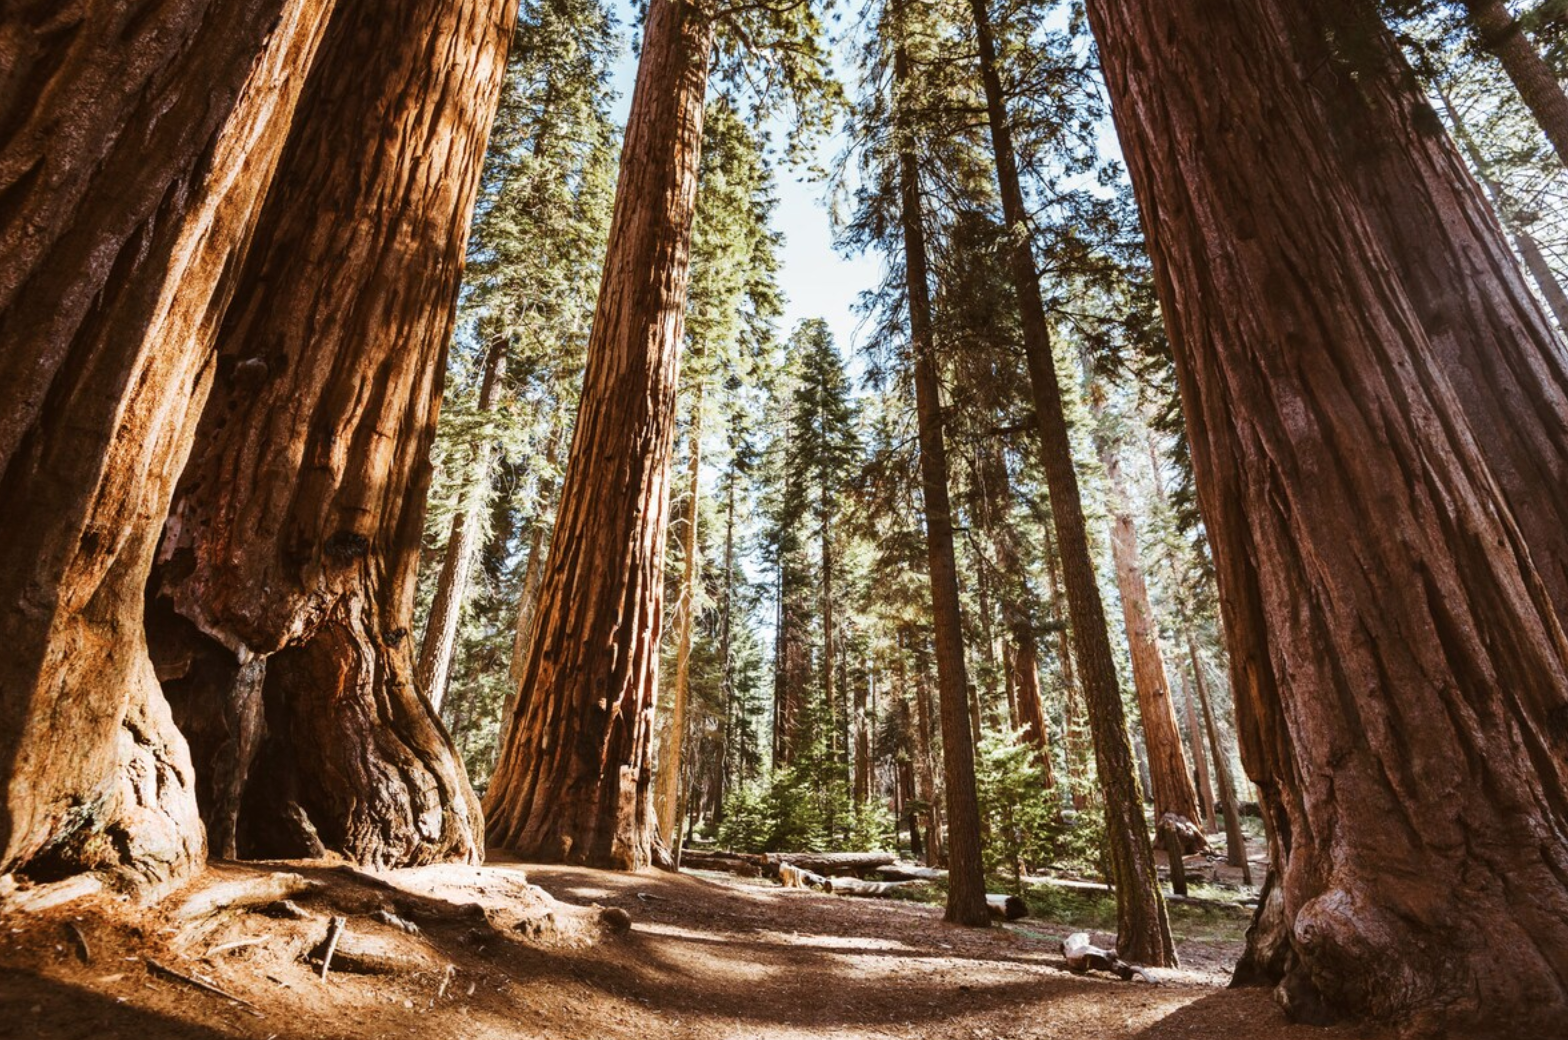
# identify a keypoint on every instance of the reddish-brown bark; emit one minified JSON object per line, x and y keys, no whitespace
{"x":574,"y":783}
{"x":1376,"y":412}
{"x":669,"y":780}
{"x":138,"y":145}
{"x":293,"y":537}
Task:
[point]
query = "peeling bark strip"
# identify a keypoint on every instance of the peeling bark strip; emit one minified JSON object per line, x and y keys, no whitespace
{"x":573,"y":783}
{"x":1352,"y":338}
{"x":138,"y":147}
{"x":296,"y":525}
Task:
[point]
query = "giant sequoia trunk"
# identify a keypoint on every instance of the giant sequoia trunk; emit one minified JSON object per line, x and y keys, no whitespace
{"x":284,"y":589}
{"x":1389,"y":580}
{"x":574,"y":782}
{"x":1143,"y":932}
{"x":138,"y":147}
{"x":966,"y":875}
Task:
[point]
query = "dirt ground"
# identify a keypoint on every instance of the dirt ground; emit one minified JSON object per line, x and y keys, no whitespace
{"x":703,"y":958}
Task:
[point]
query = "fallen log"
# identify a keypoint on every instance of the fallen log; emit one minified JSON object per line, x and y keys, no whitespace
{"x":242,"y":893}
{"x":794,"y":877}
{"x":1083,"y":956}
{"x":853,"y":886}
{"x":833,"y":864}
{"x":1006,"y":908}
{"x":911,"y":872}
{"x":739,"y":863}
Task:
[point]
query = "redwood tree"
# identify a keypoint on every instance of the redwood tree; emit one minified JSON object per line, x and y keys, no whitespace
{"x":283,"y":596}
{"x":139,"y":145}
{"x":574,"y":782}
{"x":1359,"y":362}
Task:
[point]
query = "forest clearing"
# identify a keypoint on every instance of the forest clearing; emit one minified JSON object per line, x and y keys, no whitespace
{"x":784,"y":518}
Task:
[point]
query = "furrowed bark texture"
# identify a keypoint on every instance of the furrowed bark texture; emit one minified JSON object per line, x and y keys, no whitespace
{"x":137,"y":146}
{"x":295,"y":530}
{"x":1143,"y":933}
{"x":462,"y":544}
{"x":1386,"y":577}
{"x":574,"y":784}
{"x":966,"y":903}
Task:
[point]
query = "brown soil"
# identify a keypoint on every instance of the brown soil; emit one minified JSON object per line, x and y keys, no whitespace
{"x":704,"y":958}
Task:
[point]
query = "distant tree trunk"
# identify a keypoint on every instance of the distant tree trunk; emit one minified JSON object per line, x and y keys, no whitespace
{"x":727,"y":751}
{"x":533,"y":577}
{"x":1502,"y":36}
{"x":1235,"y":839}
{"x":668,"y":791}
{"x":925,"y":771}
{"x":140,"y":142}
{"x":1200,"y":761}
{"x":1026,"y":680}
{"x":574,"y":782}
{"x":966,"y":903}
{"x":1072,"y":713}
{"x":1143,"y":932}
{"x":1507,"y":212}
{"x":862,"y":733}
{"x":462,"y":543}
{"x":1389,"y":560}
{"x":1172,"y":784}
{"x":294,"y":534}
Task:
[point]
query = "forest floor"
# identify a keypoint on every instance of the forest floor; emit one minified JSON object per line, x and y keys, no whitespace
{"x":476,"y":954}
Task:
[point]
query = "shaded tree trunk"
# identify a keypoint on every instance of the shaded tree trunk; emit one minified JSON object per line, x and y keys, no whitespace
{"x":1143,"y":933}
{"x":966,"y":903}
{"x":1388,"y":574}
{"x":1501,"y":35}
{"x":457,"y":562}
{"x":139,"y":146}
{"x":668,"y":791}
{"x":1026,"y":680}
{"x":574,"y":782}
{"x":294,"y":533}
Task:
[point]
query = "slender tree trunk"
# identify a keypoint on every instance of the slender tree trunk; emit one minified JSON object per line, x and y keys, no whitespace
{"x":1143,"y":932}
{"x":1501,"y":35}
{"x":138,"y":150}
{"x":668,"y":791}
{"x":1171,"y":783}
{"x":1195,"y":744}
{"x":457,"y":563}
{"x":1507,"y":212}
{"x":862,"y":734}
{"x":925,"y":759}
{"x":1387,"y":570}
{"x":1235,"y":840}
{"x":574,"y":782}
{"x":727,"y":750}
{"x":966,"y":903}
{"x":294,"y":533}
{"x":1072,"y":713}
